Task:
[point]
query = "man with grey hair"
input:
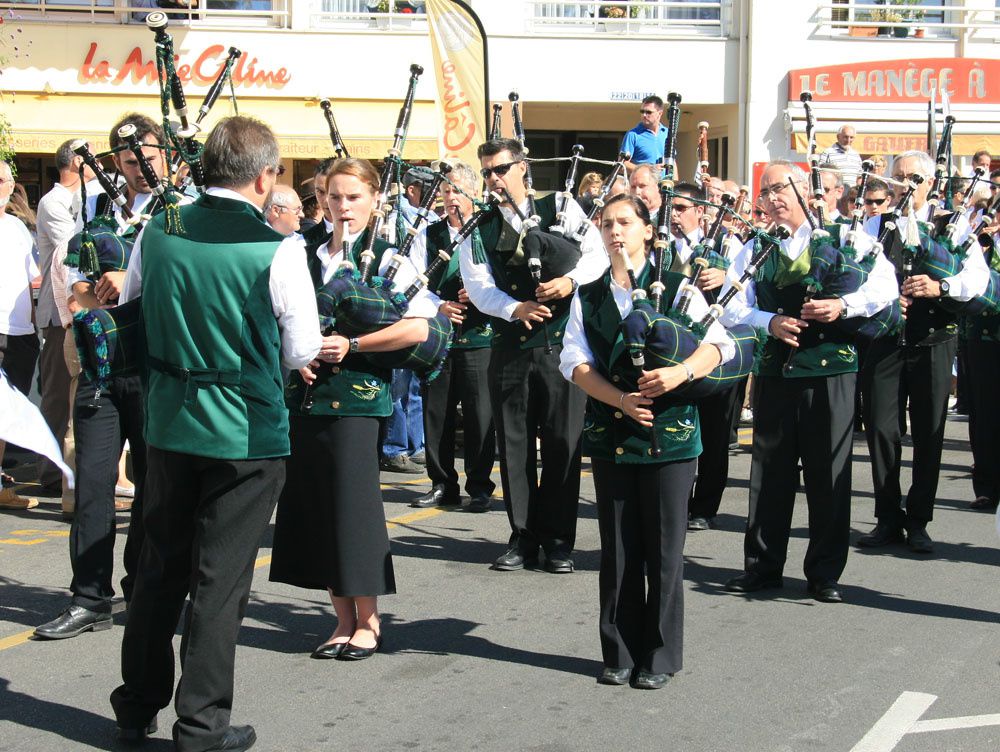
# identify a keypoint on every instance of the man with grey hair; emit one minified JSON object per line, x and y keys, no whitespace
{"x":918,"y":371}
{"x":283,"y":210}
{"x":57,"y":216}
{"x":841,"y":154}
{"x":644,"y":184}
{"x":833,"y":192}
{"x":464,"y":377}
{"x":804,"y":399}
{"x":217,"y":432}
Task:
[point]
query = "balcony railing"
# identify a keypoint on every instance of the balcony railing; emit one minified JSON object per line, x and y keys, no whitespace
{"x":891,"y":18}
{"x":387,"y":15}
{"x":647,"y":17}
{"x":245,"y":13}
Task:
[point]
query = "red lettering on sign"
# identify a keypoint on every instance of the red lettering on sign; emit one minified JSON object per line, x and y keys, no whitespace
{"x":459,"y":124}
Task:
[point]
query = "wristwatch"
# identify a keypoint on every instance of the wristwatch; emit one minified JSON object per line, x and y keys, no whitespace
{"x":690,"y":373}
{"x":945,"y":288}
{"x":576,"y":286}
{"x":353,"y":341}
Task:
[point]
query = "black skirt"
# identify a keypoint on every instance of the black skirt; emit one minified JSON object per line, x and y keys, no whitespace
{"x":330,"y":529}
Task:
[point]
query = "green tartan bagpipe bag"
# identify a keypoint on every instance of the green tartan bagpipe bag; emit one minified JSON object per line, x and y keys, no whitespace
{"x":110,"y":342}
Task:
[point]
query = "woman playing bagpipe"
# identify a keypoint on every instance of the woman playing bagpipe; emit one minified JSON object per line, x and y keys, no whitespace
{"x":642,"y":500}
{"x":330,"y":530}
{"x":804,"y":391}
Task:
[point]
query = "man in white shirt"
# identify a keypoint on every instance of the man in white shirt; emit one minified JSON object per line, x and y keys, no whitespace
{"x":841,"y":153}
{"x":57,"y":215}
{"x":283,"y":210}
{"x":18,"y":341}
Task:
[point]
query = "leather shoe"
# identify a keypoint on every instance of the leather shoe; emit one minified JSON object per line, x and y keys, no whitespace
{"x":826,"y":592}
{"x":614,"y":676}
{"x":983,"y":503}
{"x":699,"y":523}
{"x":328,"y":650}
{"x":512,"y":559}
{"x":136,"y":734}
{"x":74,"y":621}
{"x":751,"y":582}
{"x":918,"y":541}
{"x":646,"y":680}
{"x":236,"y":739}
{"x":881,"y":535}
{"x":438,"y":496}
{"x":557,"y":564}
{"x":480,"y":504}
{"x":354,"y":653}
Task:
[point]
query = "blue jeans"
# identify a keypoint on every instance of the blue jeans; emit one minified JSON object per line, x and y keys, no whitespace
{"x":404,"y":429}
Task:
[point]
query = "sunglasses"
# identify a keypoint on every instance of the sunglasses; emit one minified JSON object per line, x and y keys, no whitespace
{"x":875,"y":201}
{"x":499,"y":170}
{"x":647,"y":112}
{"x":679,"y":209}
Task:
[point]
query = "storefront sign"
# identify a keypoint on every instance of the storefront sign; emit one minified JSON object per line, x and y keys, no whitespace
{"x":967,"y":81}
{"x":137,"y":68}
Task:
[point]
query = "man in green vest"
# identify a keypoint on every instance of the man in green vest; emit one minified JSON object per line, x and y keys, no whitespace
{"x":804,"y":401}
{"x":227,"y":303}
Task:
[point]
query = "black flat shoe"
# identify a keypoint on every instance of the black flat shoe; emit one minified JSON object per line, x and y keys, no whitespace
{"x":556,"y":564}
{"x":479,"y":504}
{"x":918,"y":541}
{"x":136,"y":734}
{"x":614,"y":676}
{"x":646,"y":680}
{"x":881,"y":535}
{"x":236,"y":739}
{"x":826,"y":592}
{"x":74,"y":621}
{"x":699,"y":523}
{"x":328,"y":650}
{"x":751,"y":582}
{"x":354,"y":653}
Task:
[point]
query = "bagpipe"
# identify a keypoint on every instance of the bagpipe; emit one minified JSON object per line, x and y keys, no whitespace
{"x":617,"y":170}
{"x":815,"y":178}
{"x":335,"y":138}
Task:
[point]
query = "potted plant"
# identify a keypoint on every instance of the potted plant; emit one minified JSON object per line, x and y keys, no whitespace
{"x":618,"y":11}
{"x":862,"y":31}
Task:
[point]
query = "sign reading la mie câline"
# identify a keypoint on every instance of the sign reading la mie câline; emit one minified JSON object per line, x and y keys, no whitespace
{"x":967,"y":81}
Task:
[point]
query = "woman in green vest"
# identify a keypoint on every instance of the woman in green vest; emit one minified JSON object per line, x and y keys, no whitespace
{"x":641,"y":500}
{"x":330,"y":529}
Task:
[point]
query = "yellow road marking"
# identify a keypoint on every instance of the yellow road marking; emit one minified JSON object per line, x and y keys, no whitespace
{"x":22,"y":541}
{"x":421,"y":514}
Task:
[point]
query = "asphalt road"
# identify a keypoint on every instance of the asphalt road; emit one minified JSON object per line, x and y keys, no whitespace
{"x":482,"y":660}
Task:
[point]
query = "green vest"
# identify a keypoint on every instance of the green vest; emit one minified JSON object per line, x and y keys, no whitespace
{"x":985,"y":327}
{"x":214,"y":373}
{"x":353,"y":386}
{"x":609,"y":434}
{"x":823,"y":349}
{"x":476,"y":332}
{"x":510,"y":273}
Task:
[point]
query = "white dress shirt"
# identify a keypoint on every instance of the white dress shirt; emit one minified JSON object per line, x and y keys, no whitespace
{"x":57,"y":214}
{"x":293,"y":297}
{"x":17,"y":269}
{"x":877,"y":292}
{"x":576,"y":350}
{"x":974,"y":275}
{"x":491,"y":300}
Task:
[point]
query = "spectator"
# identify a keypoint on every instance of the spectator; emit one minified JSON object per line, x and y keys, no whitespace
{"x":19,"y":207}
{"x":312,"y":213}
{"x":841,"y":154}
{"x":644,"y":184}
{"x":283,"y":210}
{"x":646,"y":141}
{"x":833,"y":192}
{"x":982,"y":159}
{"x":879,"y":163}
{"x":590,"y":185}
{"x":876,"y":197}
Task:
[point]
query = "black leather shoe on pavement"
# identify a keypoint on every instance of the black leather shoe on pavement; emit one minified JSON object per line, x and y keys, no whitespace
{"x":614,"y":676}
{"x":237,"y":739}
{"x":751,"y":582}
{"x":983,"y":503}
{"x":557,"y":564}
{"x":918,"y":541}
{"x":479,"y":504}
{"x":74,"y":621}
{"x":646,"y":680}
{"x":328,"y":650}
{"x":510,"y":560}
{"x":438,"y":496}
{"x":826,"y":592}
{"x":699,"y":523}
{"x":881,"y":535}
{"x":138,"y":734}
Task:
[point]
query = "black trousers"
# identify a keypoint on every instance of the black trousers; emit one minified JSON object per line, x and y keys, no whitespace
{"x":99,"y":434}
{"x":642,"y":517}
{"x":464,"y":378}
{"x":531,"y":399}
{"x":715,"y":414}
{"x":891,"y":375}
{"x":810,"y":420}
{"x":983,"y":361}
{"x":204,"y":520}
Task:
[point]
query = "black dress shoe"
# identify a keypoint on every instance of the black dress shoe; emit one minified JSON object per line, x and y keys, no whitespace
{"x":983,"y":503}
{"x":237,"y":739}
{"x":479,"y":504}
{"x":438,"y":496}
{"x":751,"y":582}
{"x":328,"y":650}
{"x":74,"y":621}
{"x":699,"y":523}
{"x":557,"y":564}
{"x":826,"y":592}
{"x":136,"y":734}
{"x":614,"y":676}
{"x":354,"y":653}
{"x":646,"y":680}
{"x":510,"y":560}
{"x":918,"y":541}
{"x":881,"y":535}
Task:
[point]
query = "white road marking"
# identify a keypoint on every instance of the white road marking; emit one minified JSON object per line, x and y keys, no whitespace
{"x":962,"y":722}
{"x":904,"y":718}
